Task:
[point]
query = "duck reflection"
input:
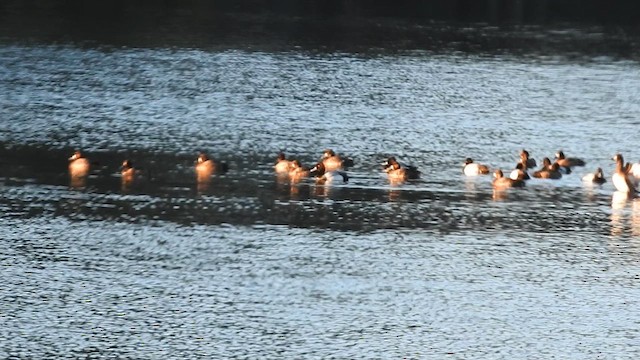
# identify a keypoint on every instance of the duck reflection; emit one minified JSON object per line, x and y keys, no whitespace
{"x":394,"y":194}
{"x":499,"y":195}
{"x":625,"y":213}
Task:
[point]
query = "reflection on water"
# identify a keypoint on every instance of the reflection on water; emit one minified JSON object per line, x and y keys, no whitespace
{"x":625,"y":214}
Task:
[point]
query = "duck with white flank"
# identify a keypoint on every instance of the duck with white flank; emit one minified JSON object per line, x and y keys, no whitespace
{"x":501,"y":183}
{"x":471,"y":168}
{"x":596,"y":177}
{"x":622,"y":178}
{"x":520,"y":172}
{"x":325,"y":177}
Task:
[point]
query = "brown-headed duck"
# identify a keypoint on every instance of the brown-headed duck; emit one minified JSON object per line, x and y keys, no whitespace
{"x":500,"y":182}
{"x":78,"y":165}
{"x":398,"y":172}
{"x":621,"y":177}
{"x":596,"y":177}
{"x":326,"y":177}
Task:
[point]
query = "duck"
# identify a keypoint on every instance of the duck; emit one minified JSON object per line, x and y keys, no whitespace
{"x":205,"y":167}
{"x":566,"y":162}
{"x":500,"y":182}
{"x":621,"y":177}
{"x":325,"y":177}
{"x":529,"y":162}
{"x":633,"y":171}
{"x":473,"y":169}
{"x":597,"y":177}
{"x":520,"y":172}
{"x":397,"y":172}
{"x":334,"y":162}
{"x":78,"y":165}
{"x":127,"y":171}
{"x":282,"y":166}
{"x":548,"y":170}
{"x":297,"y":171}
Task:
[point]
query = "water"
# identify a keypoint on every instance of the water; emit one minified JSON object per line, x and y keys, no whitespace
{"x":252,"y":267}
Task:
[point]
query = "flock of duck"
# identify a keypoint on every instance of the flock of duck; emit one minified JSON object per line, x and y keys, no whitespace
{"x":331,"y":168}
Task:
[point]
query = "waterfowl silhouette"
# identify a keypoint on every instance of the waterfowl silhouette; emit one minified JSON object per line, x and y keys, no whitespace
{"x":621,"y":178}
{"x":333,"y":162}
{"x":548,"y":170}
{"x":78,"y":166}
{"x":473,"y":169}
{"x":520,"y":172}
{"x":206,"y":167}
{"x":596,"y":177}
{"x":397,"y":172}
{"x":500,"y":182}
{"x":282,"y":166}
{"x":566,"y":162}
{"x":325,"y":177}
{"x":297,"y":171}
{"x":526,"y":160}
{"x":127,"y":171}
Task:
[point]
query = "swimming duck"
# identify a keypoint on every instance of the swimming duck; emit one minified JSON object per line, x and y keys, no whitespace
{"x":78,"y":165}
{"x":324,"y":177}
{"x":500,"y":182}
{"x":520,"y":172}
{"x":282,"y":166}
{"x":397,"y":172}
{"x":566,"y":162}
{"x":633,"y":171}
{"x":621,"y":178}
{"x":334,"y":162}
{"x":548,"y":170}
{"x":473,"y":169}
{"x":127,"y":171}
{"x":298,"y":171}
{"x":596,"y":177}
{"x":205,"y":167}
{"x":526,"y":160}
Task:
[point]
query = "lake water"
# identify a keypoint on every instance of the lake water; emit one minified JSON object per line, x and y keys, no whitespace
{"x":250,"y":266}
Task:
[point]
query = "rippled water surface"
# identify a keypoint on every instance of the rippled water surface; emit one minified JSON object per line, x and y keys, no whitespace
{"x":252,"y":266}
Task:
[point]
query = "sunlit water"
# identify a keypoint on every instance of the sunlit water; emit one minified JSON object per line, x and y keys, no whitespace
{"x":251,"y":267}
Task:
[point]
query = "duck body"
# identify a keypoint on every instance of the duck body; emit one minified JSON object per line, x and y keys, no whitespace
{"x":282,"y":166}
{"x":529,"y":162}
{"x":332,"y":162}
{"x":78,"y":165}
{"x":471,"y":168}
{"x":596,"y":177}
{"x":500,"y":182}
{"x":548,"y":170}
{"x":520,"y":172}
{"x":397,"y":172}
{"x":297,"y":171}
{"x":566,"y":162}
{"x":621,"y":178}
{"x":206,"y":167}
{"x":127,"y":171}
{"x":324,"y":177}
